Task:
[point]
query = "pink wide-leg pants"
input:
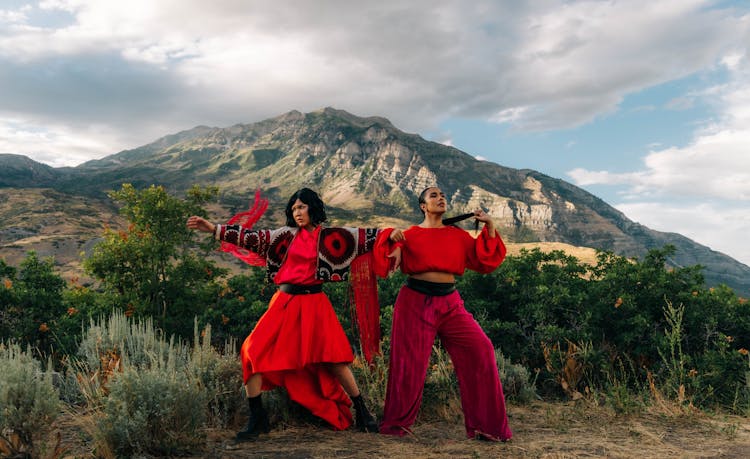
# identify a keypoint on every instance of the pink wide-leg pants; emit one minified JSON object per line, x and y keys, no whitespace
{"x":417,"y":319}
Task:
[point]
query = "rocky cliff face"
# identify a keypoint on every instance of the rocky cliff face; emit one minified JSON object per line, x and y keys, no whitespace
{"x":370,"y":172}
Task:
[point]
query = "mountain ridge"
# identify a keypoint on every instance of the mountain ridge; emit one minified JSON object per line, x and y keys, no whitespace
{"x":368,"y":172}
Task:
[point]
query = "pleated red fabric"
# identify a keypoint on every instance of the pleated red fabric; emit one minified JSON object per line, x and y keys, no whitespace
{"x":363,"y":291}
{"x":288,"y":345}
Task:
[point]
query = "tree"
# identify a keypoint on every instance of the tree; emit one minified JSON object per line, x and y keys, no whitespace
{"x":239,"y":304}
{"x":32,"y":300}
{"x":149,"y":266}
{"x":531,"y":298}
{"x":627,"y":299}
{"x":7,"y":299}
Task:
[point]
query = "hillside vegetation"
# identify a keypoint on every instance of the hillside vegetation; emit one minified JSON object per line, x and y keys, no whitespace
{"x":369,"y":173}
{"x":145,"y":356}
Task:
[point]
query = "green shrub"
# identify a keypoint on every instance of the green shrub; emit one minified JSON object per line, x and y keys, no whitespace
{"x":158,"y":411}
{"x":741,"y":402}
{"x":372,"y":381}
{"x":517,"y":383}
{"x":719,"y":375}
{"x":118,"y":341}
{"x":151,"y":395}
{"x":238,"y":304}
{"x":622,"y":399}
{"x":221,"y":376}
{"x":28,"y":400}
{"x":441,"y":397}
{"x":32,"y":303}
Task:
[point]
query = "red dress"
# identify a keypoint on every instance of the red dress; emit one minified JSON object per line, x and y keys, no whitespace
{"x":298,"y":333}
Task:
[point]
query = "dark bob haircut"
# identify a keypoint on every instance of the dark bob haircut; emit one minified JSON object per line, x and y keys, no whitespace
{"x":316,"y":209}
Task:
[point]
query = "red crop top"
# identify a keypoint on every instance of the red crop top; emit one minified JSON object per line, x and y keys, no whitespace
{"x":450,"y":250}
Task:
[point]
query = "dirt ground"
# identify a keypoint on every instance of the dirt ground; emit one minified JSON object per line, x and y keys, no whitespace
{"x":541,"y":430}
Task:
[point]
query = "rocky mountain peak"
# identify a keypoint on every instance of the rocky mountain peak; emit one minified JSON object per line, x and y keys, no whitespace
{"x":370,"y":172}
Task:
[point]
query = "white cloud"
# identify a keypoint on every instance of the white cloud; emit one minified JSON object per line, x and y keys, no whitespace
{"x":577,"y":61}
{"x":80,"y":79}
{"x":712,"y":173}
{"x":12,"y":16}
{"x":724,"y":230}
{"x":715,"y":164}
{"x":584,"y":177}
{"x":443,"y":137}
{"x":536,"y":65}
{"x":57,"y":146}
{"x":510,"y":115}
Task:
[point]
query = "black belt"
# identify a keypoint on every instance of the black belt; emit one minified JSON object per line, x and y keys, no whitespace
{"x":431,"y":288}
{"x":294,"y":289}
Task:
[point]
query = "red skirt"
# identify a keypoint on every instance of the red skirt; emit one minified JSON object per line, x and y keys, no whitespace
{"x":295,"y":335}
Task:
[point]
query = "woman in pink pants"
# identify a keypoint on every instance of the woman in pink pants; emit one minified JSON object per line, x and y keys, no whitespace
{"x":432,"y":254}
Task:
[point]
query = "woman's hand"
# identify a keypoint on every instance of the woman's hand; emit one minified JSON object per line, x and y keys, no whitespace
{"x":483,"y":216}
{"x":395,"y":256}
{"x":397,"y":235}
{"x":201,"y":224}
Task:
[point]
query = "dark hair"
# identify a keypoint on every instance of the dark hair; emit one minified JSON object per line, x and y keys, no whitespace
{"x":451,"y":220}
{"x":315,"y":207}
{"x":422,"y":195}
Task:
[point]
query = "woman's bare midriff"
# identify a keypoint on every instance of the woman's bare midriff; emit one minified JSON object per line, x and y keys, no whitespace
{"x":435,"y":276}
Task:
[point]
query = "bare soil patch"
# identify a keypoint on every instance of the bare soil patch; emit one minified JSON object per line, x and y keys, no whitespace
{"x":541,"y":430}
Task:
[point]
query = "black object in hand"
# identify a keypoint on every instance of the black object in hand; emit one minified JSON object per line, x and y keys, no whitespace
{"x":459,"y":218}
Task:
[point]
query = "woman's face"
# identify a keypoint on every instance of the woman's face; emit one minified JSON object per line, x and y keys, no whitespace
{"x":301,"y":215}
{"x":434,"y":201}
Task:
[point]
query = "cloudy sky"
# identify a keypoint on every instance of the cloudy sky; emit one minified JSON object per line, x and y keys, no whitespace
{"x":645,"y":103}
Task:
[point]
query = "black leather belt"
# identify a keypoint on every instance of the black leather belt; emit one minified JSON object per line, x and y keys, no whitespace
{"x":294,"y":289}
{"x":430,"y":288}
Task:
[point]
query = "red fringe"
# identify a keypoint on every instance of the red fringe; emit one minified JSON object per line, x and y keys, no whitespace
{"x":247,"y":219}
{"x":363,"y":293}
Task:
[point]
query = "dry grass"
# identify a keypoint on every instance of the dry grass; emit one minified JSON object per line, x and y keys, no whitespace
{"x":541,"y":430}
{"x":583,"y":254}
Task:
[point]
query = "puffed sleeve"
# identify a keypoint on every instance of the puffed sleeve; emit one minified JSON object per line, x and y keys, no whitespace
{"x":382,"y":248}
{"x":486,"y":253}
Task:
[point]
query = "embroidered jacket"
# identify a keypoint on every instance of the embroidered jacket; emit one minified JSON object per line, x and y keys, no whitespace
{"x":337,"y":247}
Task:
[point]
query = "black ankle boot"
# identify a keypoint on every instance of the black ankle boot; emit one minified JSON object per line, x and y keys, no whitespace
{"x":257,"y":423}
{"x":364,"y":420}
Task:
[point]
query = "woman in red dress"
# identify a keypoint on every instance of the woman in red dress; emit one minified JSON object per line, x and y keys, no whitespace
{"x":432,"y":254}
{"x":299,"y":343}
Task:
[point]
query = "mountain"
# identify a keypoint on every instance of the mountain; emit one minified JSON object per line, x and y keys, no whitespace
{"x":19,"y":171}
{"x":368,"y":172}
